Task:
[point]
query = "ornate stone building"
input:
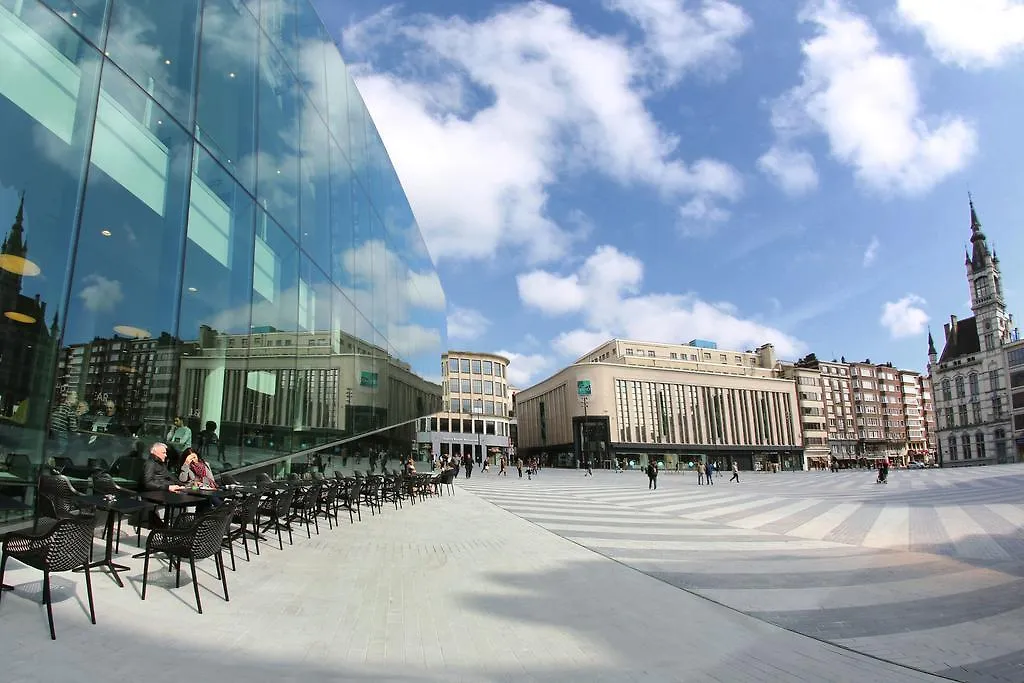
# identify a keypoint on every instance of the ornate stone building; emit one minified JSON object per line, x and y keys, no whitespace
{"x":969,"y":376}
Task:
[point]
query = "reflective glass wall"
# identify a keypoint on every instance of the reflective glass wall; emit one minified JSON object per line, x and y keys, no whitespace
{"x":200,"y":221}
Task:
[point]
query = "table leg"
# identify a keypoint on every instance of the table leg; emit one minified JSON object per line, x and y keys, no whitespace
{"x":108,"y":554}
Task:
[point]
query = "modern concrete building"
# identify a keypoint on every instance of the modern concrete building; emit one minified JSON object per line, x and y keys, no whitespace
{"x":476,"y":413}
{"x":810,"y":397}
{"x":674,"y":404}
{"x":975,"y":422}
{"x":837,"y":399}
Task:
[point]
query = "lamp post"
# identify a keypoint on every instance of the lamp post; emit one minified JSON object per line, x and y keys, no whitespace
{"x":585,"y":402}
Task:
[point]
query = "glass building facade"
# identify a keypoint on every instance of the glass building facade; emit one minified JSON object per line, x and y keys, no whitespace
{"x":200,"y":220}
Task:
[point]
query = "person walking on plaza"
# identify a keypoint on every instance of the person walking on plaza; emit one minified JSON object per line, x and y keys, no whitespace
{"x":652,"y":475}
{"x":700,"y":474}
{"x":586,"y":465}
{"x":735,"y":472}
{"x":467,"y":463}
{"x":519,"y":466}
{"x":709,"y":470}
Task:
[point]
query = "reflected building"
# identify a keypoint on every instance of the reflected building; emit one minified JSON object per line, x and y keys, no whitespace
{"x":204,"y":223}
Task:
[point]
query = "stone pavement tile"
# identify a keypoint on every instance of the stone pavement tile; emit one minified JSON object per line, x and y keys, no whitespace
{"x":453,"y":589}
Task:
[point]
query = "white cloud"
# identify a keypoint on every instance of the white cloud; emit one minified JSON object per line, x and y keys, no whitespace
{"x":466,"y":323}
{"x":680,"y":39}
{"x":100,"y":294}
{"x":482,"y":117}
{"x":605,"y":293}
{"x":972,"y":34}
{"x":524,"y":369}
{"x":871,"y":253}
{"x":792,"y":169}
{"x":904,"y":318}
{"x":865,"y":100}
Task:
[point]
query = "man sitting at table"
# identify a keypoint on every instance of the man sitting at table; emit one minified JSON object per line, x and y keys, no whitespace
{"x":156,"y":477}
{"x":195,"y":471}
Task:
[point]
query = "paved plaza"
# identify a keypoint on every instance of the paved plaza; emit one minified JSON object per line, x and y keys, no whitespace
{"x":743,"y":583}
{"x":927,"y":570}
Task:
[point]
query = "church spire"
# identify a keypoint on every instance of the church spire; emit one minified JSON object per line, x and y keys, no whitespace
{"x":980,"y":256}
{"x":14,"y":242}
{"x":931,"y":343}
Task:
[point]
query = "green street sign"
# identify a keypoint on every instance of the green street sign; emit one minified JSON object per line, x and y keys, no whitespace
{"x":583,"y":387}
{"x":368,"y":379}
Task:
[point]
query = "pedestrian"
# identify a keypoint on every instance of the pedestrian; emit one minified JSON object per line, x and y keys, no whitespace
{"x":519,"y":466}
{"x":709,"y":470}
{"x":586,"y":464}
{"x":700,"y":474}
{"x":652,"y":475}
{"x":735,"y":472}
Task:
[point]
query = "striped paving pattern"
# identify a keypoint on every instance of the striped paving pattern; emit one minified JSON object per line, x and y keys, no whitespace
{"x":926,"y":571}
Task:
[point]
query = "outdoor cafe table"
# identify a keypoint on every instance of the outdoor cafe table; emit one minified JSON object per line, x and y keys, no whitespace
{"x":8,"y":504}
{"x":171,"y":500}
{"x":117,"y":506}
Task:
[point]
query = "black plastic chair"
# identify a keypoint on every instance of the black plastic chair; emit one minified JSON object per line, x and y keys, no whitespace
{"x":200,"y":540}
{"x":277,"y":508}
{"x":306,"y":506}
{"x":56,"y":500}
{"x":245,"y":517}
{"x":64,"y":548}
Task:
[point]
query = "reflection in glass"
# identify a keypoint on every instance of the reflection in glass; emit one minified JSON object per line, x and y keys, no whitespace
{"x":264,"y":279}
{"x":155,"y":42}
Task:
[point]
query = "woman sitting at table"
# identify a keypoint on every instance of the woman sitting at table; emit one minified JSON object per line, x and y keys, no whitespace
{"x":195,"y":472}
{"x":410,"y":466}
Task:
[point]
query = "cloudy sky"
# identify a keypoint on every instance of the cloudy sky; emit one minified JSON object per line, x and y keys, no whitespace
{"x":741,"y":171}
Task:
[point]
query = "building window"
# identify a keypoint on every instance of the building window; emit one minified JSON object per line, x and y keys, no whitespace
{"x":489,"y":407}
{"x":981,"y":289}
{"x":1015,"y":357}
{"x":442,"y":424}
{"x":478,"y":386}
{"x":979,"y":445}
{"x":455,"y":405}
{"x":947,"y":395}
{"x":990,"y":341}
{"x":629,"y":352}
{"x":960,"y":387}
{"x":455,"y":386}
{"x":453,"y":365}
{"x":489,"y":387}
{"x":997,"y":408}
{"x":464,"y":365}
{"x":488,"y":367}
{"x":965,"y":441}
{"x":650,"y":354}
{"x":673,"y":355}
{"x":476,"y":367}
{"x":972,"y":382}
{"x":963,"y":415}
{"x":489,"y":427}
{"x":976,"y":410}
{"x":465,"y":387}
{"x":952,"y":448}
{"x":467,"y":405}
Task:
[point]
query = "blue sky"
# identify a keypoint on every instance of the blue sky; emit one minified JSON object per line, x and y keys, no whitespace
{"x":741,"y":171}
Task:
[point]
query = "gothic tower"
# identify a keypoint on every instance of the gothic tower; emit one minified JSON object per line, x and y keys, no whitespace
{"x":986,"y":285}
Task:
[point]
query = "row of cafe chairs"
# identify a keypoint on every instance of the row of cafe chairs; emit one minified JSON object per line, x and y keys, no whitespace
{"x":62,"y":537}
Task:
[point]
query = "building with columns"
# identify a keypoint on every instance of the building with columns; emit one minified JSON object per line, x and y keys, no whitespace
{"x":969,"y":376}
{"x":674,"y":404}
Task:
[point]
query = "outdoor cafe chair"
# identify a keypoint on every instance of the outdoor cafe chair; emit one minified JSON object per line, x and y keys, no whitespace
{"x":65,"y":547}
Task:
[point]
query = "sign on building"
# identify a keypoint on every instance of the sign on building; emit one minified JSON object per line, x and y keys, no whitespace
{"x":367,"y":379}
{"x":583,"y":387}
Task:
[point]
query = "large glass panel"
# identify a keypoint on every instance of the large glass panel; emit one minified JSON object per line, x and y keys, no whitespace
{"x":341,"y":216}
{"x":215,"y":310}
{"x":120,"y":344}
{"x":155,"y":41}
{"x":279,"y":20}
{"x":313,"y":45}
{"x":337,"y":97}
{"x":271,"y":399}
{"x":315,"y":189}
{"x":226,"y":108}
{"x":278,"y":139}
{"x":84,"y":15}
{"x":319,"y":368}
{"x":356,"y":149}
{"x":48,"y":81}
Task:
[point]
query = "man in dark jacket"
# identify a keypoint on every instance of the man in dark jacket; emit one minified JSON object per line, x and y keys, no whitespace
{"x":652,"y":475}
{"x":156,"y":477}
